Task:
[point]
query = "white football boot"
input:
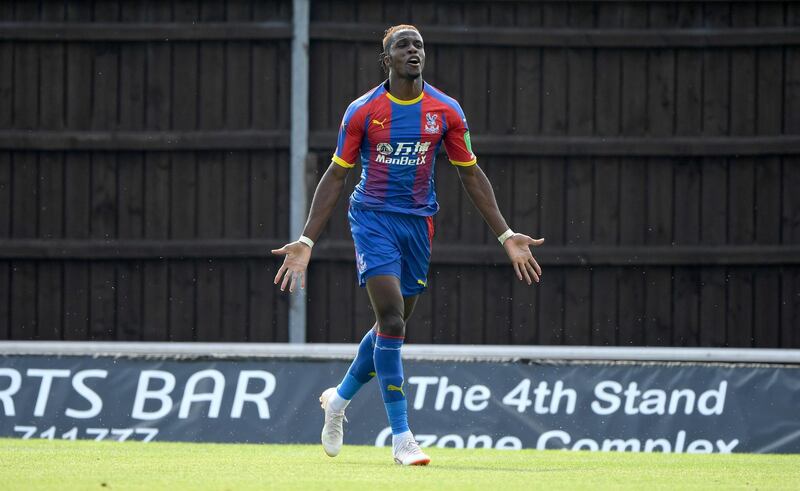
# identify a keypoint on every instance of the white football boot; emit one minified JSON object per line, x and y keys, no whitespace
{"x":407,"y":452}
{"x":333,"y":430}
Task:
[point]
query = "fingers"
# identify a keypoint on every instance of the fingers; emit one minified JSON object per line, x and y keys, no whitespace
{"x":535,"y":265}
{"x":280,"y":252}
{"x":532,"y":272}
{"x":286,"y":279}
{"x":525,"y":273}
{"x":281,"y":270}
{"x":516,"y":270}
{"x":536,"y":242}
{"x":293,"y":282}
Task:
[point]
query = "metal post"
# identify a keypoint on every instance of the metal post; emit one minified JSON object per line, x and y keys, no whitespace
{"x":297,"y":155}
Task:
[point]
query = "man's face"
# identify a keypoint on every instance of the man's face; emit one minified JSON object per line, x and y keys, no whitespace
{"x":406,"y":54}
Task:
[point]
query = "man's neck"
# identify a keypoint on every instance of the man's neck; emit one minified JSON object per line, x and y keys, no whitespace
{"x":405,"y":89}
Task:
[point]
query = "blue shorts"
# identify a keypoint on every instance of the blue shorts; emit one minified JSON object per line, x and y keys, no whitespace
{"x":394,"y":244}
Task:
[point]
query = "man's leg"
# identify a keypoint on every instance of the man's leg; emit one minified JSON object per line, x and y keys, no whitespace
{"x":391,"y":308}
{"x":362,"y":369}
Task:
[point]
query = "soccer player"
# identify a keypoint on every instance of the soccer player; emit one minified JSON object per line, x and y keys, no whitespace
{"x":395,"y":129}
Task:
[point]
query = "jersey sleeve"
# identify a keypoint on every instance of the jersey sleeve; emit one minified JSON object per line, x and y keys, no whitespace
{"x":456,"y":139}
{"x":351,"y":132}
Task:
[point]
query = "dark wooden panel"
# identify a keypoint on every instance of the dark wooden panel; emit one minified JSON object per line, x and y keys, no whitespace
{"x":76,"y":300}
{"x":129,"y":301}
{"x":235,"y":301}
{"x":24,"y":299}
{"x":25,"y":194}
{"x":5,"y":193}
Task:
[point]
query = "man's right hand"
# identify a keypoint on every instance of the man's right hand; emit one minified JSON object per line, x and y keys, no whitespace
{"x":294,"y":266}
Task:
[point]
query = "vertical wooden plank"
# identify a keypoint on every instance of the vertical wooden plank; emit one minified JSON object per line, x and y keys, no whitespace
{"x":182,"y":273}
{"x":158,"y":82}
{"x":24,"y":224}
{"x":5,"y":194}
{"x":446,"y":298}
{"x":6,"y":78}
{"x":525,"y":306}
{"x":473,"y":314}
{"x":130,"y":225}
{"x":49,"y":279}
{"x":209,"y":209}
{"x":23,"y":300}
{"x":686,"y":188}
{"x":713,"y":299}
{"x":132,"y":73}
{"x":659,"y":190}
{"x":790,"y":308}
{"x":5,"y":296}
{"x":238,"y":72}
{"x":77,"y":191}
{"x":263,"y":192}
{"x":501,"y":66}
{"x":606,"y":202}
{"x":499,"y":279}
{"x":369,"y":73}
{"x":741,"y":178}
{"x":103,"y":201}
{"x":769,"y":109}
{"x":790,"y":234}
{"x":80,"y":69}
{"x":105,"y":74}
{"x":605,"y":224}
{"x":579,"y":177}
{"x":553,"y":210}
{"x":51,"y":63}
{"x":25,"y":195}
{"x":340,"y":303}
{"x":26,"y":73}
{"x":234,"y":313}
{"x":633,"y":182}
{"x":210,"y":181}
{"x":183,"y":191}
{"x":155,"y":274}
{"x":235,"y":301}
{"x":578,"y":281}
{"x":102,"y":306}
{"x":260,"y":294}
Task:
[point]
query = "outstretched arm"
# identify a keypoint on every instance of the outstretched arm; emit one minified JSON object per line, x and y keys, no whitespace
{"x":517,"y":246}
{"x":299,"y":253}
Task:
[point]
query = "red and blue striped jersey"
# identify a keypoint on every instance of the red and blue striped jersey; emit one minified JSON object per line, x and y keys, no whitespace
{"x":398,"y":141}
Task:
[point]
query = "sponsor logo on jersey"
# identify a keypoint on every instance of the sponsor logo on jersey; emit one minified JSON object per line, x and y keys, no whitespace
{"x":381,"y":123}
{"x":403,"y":153}
{"x":432,"y":123}
{"x":385,"y":149}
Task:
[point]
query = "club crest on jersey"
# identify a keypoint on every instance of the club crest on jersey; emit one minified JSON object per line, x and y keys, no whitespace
{"x":432,"y":123}
{"x":385,"y":149}
{"x":361,"y":264}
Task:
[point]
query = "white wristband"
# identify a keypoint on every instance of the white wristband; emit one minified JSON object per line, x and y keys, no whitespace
{"x":305,"y":240}
{"x":505,"y":235}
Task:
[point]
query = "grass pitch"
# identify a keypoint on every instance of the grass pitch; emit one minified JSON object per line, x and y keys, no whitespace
{"x":86,"y":465}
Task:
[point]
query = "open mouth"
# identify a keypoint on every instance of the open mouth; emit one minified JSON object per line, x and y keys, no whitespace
{"x":413,"y":61}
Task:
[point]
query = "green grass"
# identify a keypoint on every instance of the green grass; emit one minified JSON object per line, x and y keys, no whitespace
{"x":86,"y":465}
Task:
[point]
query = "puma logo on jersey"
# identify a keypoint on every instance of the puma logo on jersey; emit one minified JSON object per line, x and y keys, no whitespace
{"x":395,"y":388}
{"x":375,"y":121}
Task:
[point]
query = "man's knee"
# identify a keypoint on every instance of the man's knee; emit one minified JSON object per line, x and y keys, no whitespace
{"x":391,"y":323}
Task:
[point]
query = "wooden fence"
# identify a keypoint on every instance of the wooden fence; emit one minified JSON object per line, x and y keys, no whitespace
{"x":655,"y":145}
